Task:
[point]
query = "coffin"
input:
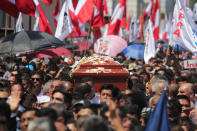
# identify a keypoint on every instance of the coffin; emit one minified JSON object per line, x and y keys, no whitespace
{"x":102,"y":69}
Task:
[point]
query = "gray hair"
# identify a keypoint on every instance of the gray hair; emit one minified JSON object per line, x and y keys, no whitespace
{"x":95,"y":123}
{"x":188,"y":72}
{"x":41,"y":124}
{"x":47,"y":86}
{"x":158,"y":79}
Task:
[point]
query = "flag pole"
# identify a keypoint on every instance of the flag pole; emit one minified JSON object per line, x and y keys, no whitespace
{"x":89,"y":32}
{"x":167,"y":53}
{"x":6,"y":24}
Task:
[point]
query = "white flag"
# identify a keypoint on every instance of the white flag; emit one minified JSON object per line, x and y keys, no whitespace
{"x":184,"y":30}
{"x":133,"y":30}
{"x":19,"y":23}
{"x":149,"y":50}
{"x":195,"y":12}
{"x":36,"y":25}
{"x":64,"y":25}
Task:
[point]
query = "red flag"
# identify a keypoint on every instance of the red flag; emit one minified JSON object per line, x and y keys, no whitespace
{"x":97,"y":32}
{"x":43,"y":23}
{"x":117,"y":17}
{"x":155,"y":20}
{"x":141,"y":29}
{"x":26,"y":6}
{"x":75,"y":2}
{"x":98,"y":19}
{"x":47,"y":2}
{"x":84,"y":10}
{"x":128,"y":23}
{"x":56,"y":12}
{"x":105,"y":8}
{"x":9,"y":8}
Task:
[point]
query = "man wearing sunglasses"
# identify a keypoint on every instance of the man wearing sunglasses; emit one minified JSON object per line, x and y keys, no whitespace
{"x":37,"y":81}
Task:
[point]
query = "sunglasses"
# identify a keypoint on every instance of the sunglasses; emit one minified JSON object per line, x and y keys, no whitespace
{"x":37,"y":79}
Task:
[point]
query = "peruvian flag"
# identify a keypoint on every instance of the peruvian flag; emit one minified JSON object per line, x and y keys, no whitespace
{"x":148,"y":10}
{"x":155,"y":20}
{"x":41,"y":19}
{"x":84,"y":10}
{"x":9,"y":7}
{"x":143,"y":18}
{"x":47,"y":2}
{"x":56,"y":12}
{"x":98,"y":19}
{"x":67,"y":22}
{"x":116,"y":20}
{"x":33,"y":8}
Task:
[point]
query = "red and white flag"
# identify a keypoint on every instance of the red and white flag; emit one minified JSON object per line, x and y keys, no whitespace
{"x":67,"y":22}
{"x":143,"y":18}
{"x":155,"y":20}
{"x":98,"y":19}
{"x":9,"y":7}
{"x":84,"y":10}
{"x":184,"y":30}
{"x":116,"y":19}
{"x":43,"y":23}
{"x":33,"y":8}
{"x":56,"y":12}
{"x":148,"y":10}
{"x":47,"y":2}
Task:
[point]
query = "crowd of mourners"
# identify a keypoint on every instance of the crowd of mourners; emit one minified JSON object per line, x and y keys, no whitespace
{"x":38,"y":94}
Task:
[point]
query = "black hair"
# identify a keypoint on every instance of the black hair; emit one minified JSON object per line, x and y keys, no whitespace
{"x":47,"y":112}
{"x":40,"y":73}
{"x":83,"y":89}
{"x":114,"y":89}
{"x":86,"y":79}
{"x":67,"y":96}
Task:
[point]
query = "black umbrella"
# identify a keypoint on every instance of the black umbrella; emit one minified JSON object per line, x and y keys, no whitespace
{"x":27,"y":41}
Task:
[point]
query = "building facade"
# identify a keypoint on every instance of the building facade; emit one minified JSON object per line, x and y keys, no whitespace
{"x":134,"y":8}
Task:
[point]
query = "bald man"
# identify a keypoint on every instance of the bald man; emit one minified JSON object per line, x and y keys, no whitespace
{"x":186,"y":89}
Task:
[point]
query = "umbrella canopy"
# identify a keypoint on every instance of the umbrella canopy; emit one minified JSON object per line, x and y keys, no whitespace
{"x":141,"y":42}
{"x":110,"y":45}
{"x":135,"y":51}
{"x":75,"y":34}
{"x":50,"y":53}
{"x":27,"y":41}
{"x":83,"y":45}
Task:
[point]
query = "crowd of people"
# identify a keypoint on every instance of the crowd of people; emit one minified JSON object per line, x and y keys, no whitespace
{"x":38,"y":94}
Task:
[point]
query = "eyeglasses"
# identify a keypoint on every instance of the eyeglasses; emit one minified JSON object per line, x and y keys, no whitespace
{"x":37,"y":79}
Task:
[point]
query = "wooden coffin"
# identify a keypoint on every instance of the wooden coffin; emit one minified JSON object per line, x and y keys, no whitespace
{"x":103,"y":70}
